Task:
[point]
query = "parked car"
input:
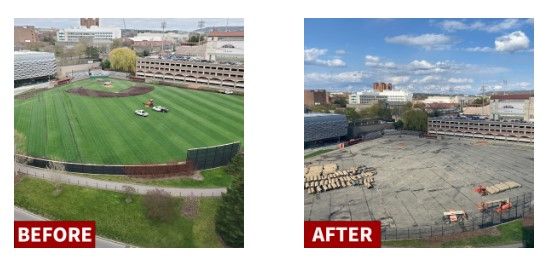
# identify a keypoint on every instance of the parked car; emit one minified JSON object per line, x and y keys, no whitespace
{"x":161,"y":109}
{"x":228,"y":92}
{"x":141,"y":113}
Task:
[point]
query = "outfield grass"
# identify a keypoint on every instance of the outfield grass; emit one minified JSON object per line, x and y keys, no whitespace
{"x":213,"y":178}
{"x":117,"y":219}
{"x":316,"y":153}
{"x":59,"y":125}
{"x":510,"y":233}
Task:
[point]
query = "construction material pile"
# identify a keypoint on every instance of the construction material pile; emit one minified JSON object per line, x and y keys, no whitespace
{"x":322,"y":178}
{"x":497,"y":188}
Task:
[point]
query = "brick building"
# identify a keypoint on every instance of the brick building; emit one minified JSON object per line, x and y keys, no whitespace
{"x":316,"y":97}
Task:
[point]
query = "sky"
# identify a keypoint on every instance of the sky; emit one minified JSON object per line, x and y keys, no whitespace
{"x":187,"y":24}
{"x":449,"y":56}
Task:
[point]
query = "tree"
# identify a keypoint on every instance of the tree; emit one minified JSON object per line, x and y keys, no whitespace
{"x":482,"y":100}
{"x":341,"y":101}
{"x":117,"y":43}
{"x":398,"y":124}
{"x":190,"y":206}
{"x":415,"y":119}
{"x":229,"y":219}
{"x":123,"y":59}
{"x":106,"y":64}
{"x":160,"y":206}
{"x":92,"y":52}
{"x":146,"y":53}
{"x":350,"y":113}
{"x":80,"y":48}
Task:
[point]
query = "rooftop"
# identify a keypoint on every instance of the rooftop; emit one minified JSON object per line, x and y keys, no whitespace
{"x":521,"y":96}
{"x":226,"y":34}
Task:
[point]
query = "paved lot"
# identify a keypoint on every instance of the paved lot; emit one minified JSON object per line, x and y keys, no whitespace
{"x":418,"y":179}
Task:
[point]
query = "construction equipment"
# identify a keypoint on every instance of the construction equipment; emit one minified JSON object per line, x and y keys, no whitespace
{"x":502,"y":205}
{"x":454,"y":216}
{"x":480,"y":189}
{"x":149,"y":103}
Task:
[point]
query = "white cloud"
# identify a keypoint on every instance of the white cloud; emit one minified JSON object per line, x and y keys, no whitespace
{"x":499,"y":26}
{"x":342,"y":77}
{"x":427,"y":41}
{"x":512,"y":42}
{"x":396,"y":80}
{"x":427,"y":79}
{"x":421,"y":64}
{"x":312,"y":57}
{"x":460,"y":80}
{"x":340,"y":52}
{"x":370,"y":59}
{"x":314,"y":53}
{"x":479,"y":49}
{"x":453,"y":25}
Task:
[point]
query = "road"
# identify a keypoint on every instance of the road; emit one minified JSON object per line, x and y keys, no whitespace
{"x":100,"y":242}
{"x":83,"y":181}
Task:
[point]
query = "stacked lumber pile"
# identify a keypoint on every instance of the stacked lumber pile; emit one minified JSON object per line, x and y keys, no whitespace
{"x":497,"y":188}
{"x":322,"y":178}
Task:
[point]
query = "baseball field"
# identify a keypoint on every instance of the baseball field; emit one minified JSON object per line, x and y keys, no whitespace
{"x":93,"y":121}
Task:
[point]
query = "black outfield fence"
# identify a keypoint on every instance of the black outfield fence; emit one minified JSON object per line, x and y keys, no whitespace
{"x":521,"y":206}
{"x":197,"y":159}
{"x":211,"y":157}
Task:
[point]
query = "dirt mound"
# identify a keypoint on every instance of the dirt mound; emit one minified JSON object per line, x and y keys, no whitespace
{"x":132,"y":91}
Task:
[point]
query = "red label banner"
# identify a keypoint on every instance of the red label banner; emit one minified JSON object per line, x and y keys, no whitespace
{"x":342,"y":234}
{"x":54,"y":234}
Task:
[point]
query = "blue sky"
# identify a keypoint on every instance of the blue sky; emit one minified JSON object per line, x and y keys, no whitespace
{"x":184,"y":24}
{"x":420,"y":55}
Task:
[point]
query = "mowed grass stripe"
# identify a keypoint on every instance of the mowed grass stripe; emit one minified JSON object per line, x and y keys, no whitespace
{"x":164,"y":147}
{"x":221,"y":123}
{"x":37,"y":137}
{"x":206,"y":130}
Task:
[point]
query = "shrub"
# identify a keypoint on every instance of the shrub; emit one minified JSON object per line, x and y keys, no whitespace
{"x":160,"y":206}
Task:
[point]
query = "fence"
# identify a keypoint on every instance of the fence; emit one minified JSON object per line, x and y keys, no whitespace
{"x":211,"y":157}
{"x":522,"y":205}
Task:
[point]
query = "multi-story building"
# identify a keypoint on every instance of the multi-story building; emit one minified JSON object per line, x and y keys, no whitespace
{"x":320,"y":127}
{"x":25,"y":34}
{"x":89,"y":22}
{"x":225,"y":46}
{"x":382,"y":86}
{"x":366,"y":98}
{"x":397,"y":97}
{"x":486,"y":129}
{"x":316,"y":97}
{"x":180,"y":70}
{"x":512,"y":107}
{"x":94,"y":34}
{"x":33,"y":66}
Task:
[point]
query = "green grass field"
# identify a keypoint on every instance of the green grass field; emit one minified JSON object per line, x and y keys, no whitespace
{"x":509,"y":233}
{"x":59,"y":125}
{"x":98,"y":84}
{"x":213,"y":178}
{"x":116,"y":219}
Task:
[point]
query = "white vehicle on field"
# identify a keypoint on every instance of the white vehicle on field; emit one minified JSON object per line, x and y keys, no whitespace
{"x":161,"y":109}
{"x":228,"y":92}
{"x":141,"y":112}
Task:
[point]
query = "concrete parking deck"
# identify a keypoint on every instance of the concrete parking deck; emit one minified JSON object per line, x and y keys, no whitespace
{"x":418,"y":179}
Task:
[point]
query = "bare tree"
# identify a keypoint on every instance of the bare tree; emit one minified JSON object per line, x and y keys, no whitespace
{"x":160,"y":206}
{"x":190,"y":206}
{"x":129,"y":191}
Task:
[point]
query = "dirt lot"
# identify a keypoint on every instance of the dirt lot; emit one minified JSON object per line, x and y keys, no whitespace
{"x":418,"y":179}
